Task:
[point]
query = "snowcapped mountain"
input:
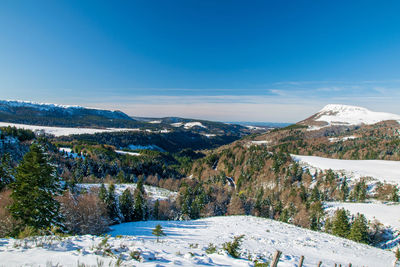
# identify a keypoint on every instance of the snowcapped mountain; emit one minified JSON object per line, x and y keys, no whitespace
{"x":345,"y":115}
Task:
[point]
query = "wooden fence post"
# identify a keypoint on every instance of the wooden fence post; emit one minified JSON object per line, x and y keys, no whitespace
{"x":301,"y":261}
{"x":275,"y":260}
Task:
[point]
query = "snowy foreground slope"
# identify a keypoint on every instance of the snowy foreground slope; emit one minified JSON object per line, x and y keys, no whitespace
{"x":381,"y":170}
{"x":186,"y":242}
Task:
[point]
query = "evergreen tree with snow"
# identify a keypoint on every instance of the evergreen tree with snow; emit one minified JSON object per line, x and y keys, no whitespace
{"x":33,"y":191}
{"x":103,"y":192}
{"x":6,"y":171}
{"x":395,"y":194}
{"x":140,"y":207}
{"x":156,"y":210}
{"x":111,"y":204}
{"x":340,"y":223}
{"x":344,"y":189}
{"x":126,"y":205}
{"x":158,"y":231}
{"x":359,"y":229}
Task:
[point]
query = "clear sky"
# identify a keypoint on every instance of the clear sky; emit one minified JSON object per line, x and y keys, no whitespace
{"x":275,"y":61}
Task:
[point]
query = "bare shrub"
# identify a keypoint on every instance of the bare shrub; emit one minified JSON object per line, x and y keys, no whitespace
{"x":7,"y":222}
{"x":84,"y":214}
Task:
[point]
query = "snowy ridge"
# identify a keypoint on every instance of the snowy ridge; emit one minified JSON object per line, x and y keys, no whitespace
{"x":335,"y":114}
{"x":186,"y":243}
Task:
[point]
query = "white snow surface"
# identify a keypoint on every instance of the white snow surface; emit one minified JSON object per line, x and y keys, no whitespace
{"x":263,"y":142}
{"x":188,"y":125}
{"x":345,"y":138}
{"x":127,"y":153}
{"x":62,"y":131}
{"x":186,"y":242}
{"x":381,"y":170}
{"x":388,"y":214}
{"x":152,"y":191}
{"x":335,"y":114}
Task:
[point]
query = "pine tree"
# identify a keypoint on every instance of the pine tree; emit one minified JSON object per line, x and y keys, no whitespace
{"x":156,"y":210}
{"x":344,"y":190}
{"x":340,"y":223}
{"x":34,"y":190}
{"x":140,"y":207}
{"x":120,"y":177}
{"x":359,"y":229}
{"x":103,"y":192}
{"x":111,"y":204}
{"x":395,"y":194}
{"x":126,"y":205}
{"x":6,"y":171}
{"x":315,"y":195}
{"x":316,"y":215}
{"x":158,"y":231}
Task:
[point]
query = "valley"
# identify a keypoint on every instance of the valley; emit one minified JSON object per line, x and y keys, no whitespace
{"x":300,"y":189}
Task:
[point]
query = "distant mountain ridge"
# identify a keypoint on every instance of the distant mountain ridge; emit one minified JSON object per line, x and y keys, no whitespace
{"x":54,"y":115}
{"x":59,"y":115}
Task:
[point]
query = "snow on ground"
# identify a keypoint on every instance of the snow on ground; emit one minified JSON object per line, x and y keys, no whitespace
{"x":352,"y":115}
{"x":264,"y":142}
{"x":152,"y":191}
{"x":345,"y":138}
{"x":188,"y":125}
{"x":69,"y":152}
{"x":62,"y":131}
{"x":388,"y":214}
{"x":209,"y":135}
{"x":127,"y":153}
{"x":381,"y":170}
{"x":186,"y":242}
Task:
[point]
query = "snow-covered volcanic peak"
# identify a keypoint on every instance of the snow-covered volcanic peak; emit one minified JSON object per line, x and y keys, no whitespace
{"x":335,"y":114}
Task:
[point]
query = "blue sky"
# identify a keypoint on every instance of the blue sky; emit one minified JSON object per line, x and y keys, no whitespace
{"x":220,"y":60}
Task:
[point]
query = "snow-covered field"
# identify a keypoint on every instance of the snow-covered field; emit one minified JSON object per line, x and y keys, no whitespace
{"x":152,"y":191}
{"x":381,"y":170}
{"x":388,"y":214}
{"x":186,"y":242}
{"x":62,"y":131}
